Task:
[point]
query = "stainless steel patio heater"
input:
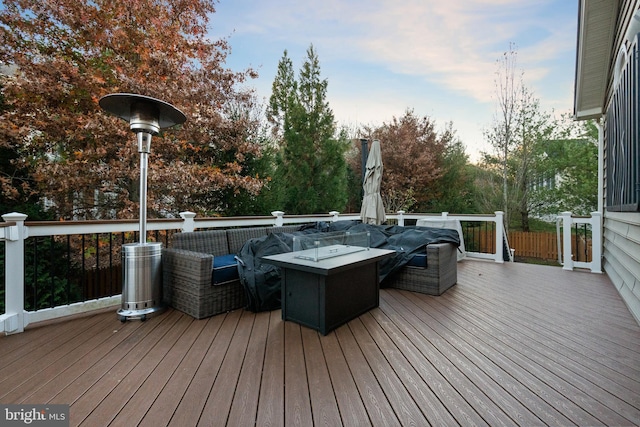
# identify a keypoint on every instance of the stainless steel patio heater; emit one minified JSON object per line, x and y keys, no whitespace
{"x":142,"y":262}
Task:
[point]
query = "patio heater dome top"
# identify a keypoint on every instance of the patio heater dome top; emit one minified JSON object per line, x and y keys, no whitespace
{"x":144,"y":113}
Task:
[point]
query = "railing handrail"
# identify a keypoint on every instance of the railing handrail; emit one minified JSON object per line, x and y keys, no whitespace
{"x":63,"y":228}
{"x":15,"y":230}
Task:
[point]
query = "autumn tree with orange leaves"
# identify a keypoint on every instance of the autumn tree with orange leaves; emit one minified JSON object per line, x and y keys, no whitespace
{"x":66,"y":54}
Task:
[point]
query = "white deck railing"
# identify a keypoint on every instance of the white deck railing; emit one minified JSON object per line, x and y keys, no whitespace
{"x":564,"y":223}
{"x":14,"y":232}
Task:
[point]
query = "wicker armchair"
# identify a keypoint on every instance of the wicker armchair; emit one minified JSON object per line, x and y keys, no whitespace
{"x":187,"y":275}
{"x":440,"y":274}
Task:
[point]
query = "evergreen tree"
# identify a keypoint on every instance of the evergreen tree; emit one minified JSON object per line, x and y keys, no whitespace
{"x":456,"y":189}
{"x":283,"y":92}
{"x":311,"y":172}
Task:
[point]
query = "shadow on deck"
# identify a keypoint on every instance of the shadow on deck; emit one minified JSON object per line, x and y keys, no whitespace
{"x":510,"y":344}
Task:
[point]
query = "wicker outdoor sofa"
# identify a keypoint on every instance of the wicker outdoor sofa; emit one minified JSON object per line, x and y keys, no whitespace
{"x":200,"y":272}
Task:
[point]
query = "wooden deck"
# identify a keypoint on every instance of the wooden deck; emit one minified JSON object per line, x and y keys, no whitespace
{"x":511,"y":344}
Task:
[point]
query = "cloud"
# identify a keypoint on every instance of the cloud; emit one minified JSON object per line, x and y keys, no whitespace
{"x":382,"y":56}
{"x":454,"y":43}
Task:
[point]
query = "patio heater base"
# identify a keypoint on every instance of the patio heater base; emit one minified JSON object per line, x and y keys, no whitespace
{"x":141,"y":281}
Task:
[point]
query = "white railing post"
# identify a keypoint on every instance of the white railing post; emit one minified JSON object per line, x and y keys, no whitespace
{"x":334,"y":216}
{"x":189,"y":225}
{"x":499,"y":237}
{"x":600,"y":126}
{"x":445,"y":214}
{"x":15,"y":319}
{"x":596,"y":242}
{"x":567,"y":257}
{"x":279,"y":218}
{"x":401,"y":218}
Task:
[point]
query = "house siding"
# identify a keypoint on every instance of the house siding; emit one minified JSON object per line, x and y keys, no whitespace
{"x":621,"y":255}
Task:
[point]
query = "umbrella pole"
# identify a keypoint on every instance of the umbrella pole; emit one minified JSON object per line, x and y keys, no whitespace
{"x":365,"y":155}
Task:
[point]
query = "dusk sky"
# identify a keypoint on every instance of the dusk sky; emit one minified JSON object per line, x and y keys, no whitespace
{"x":382,"y":57}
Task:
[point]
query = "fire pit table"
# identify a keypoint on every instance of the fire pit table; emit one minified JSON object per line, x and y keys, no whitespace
{"x":324,"y":293}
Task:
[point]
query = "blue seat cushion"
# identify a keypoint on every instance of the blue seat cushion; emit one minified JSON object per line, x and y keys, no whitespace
{"x":225,"y":269}
{"x":418,"y":260}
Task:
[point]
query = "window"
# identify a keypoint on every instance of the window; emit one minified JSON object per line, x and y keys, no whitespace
{"x":621,"y":136}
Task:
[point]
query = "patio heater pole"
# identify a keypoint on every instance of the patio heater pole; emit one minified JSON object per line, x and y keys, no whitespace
{"x":365,"y":155}
{"x":144,"y":146}
{"x":141,"y":262}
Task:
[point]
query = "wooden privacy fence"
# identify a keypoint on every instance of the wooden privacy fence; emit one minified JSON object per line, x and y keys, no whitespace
{"x":534,"y":245}
{"x":541,"y":245}
{"x":544,"y":245}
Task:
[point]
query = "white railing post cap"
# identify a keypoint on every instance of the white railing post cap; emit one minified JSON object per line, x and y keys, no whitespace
{"x":14,"y":216}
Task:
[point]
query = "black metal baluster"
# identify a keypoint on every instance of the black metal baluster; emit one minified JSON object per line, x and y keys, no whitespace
{"x":486,"y":236}
{"x":96,"y":286}
{"x":52,"y":272}
{"x":68,"y":272}
{"x":467,"y":238}
{"x":586,"y":247}
{"x":35,"y":274}
{"x":111,"y":264}
{"x":575,"y":238}
{"x":2,"y":274}
{"x":84,"y":270}
{"x":494,"y":231}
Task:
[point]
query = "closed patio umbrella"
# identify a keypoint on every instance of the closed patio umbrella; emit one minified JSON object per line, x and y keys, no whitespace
{"x":372,"y":211}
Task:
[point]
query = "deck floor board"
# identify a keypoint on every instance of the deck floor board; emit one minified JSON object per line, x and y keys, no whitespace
{"x":510,"y":344}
